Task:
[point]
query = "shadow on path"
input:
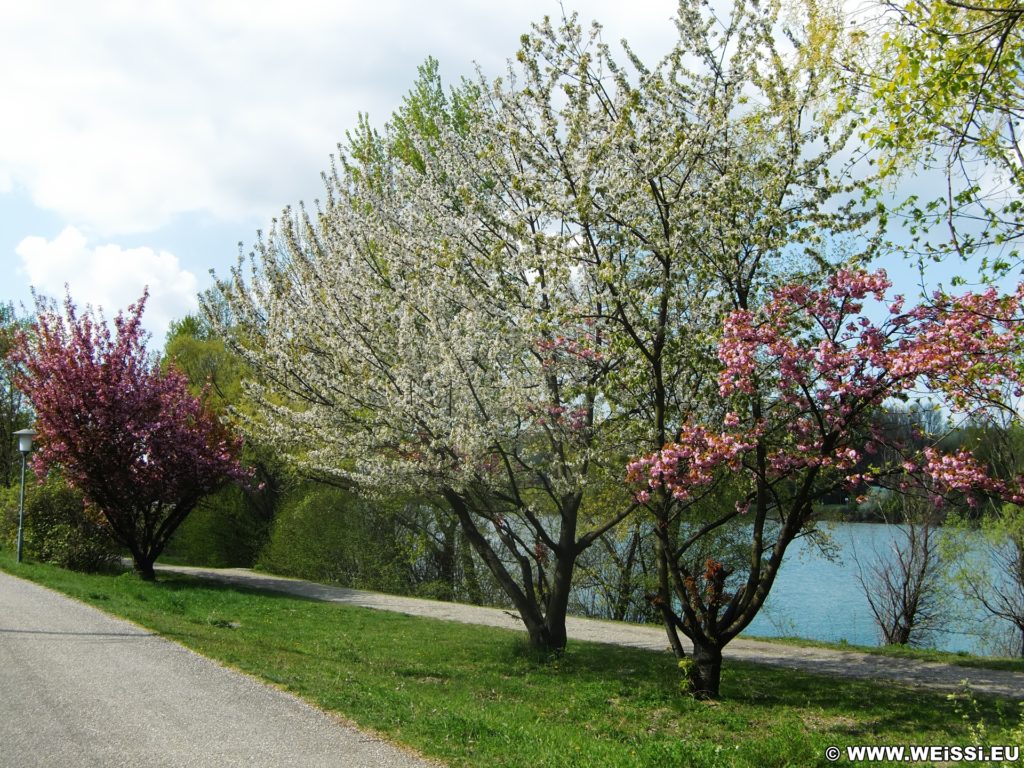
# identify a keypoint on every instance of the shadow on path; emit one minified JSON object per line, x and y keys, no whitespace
{"x":6,"y":631}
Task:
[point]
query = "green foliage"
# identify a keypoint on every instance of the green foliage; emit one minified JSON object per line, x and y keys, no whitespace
{"x":232,"y":525}
{"x":947,"y":91}
{"x":59,"y":528}
{"x":955,"y":77}
{"x":205,"y":361}
{"x":416,"y":125}
{"x":329,"y":535}
{"x":225,"y":530}
{"x":993,"y":580}
{"x":979,"y":723}
{"x":15,"y":413}
{"x":996,"y":580}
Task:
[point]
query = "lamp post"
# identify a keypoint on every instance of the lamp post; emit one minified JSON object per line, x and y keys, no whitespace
{"x":24,"y":445}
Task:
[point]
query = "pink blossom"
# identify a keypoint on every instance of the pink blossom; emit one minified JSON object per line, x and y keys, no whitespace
{"x":122,"y":429}
{"x":822,"y":368}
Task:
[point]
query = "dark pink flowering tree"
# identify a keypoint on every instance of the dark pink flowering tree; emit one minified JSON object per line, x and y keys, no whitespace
{"x":800,"y":381}
{"x":125,"y":433}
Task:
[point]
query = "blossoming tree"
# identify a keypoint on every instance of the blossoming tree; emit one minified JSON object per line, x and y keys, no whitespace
{"x":127,"y":434}
{"x":800,"y":380}
{"x":512,"y":288}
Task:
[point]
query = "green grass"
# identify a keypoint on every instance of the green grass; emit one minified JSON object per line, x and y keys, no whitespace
{"x":475,"y":696}
{"x":903,"y":652}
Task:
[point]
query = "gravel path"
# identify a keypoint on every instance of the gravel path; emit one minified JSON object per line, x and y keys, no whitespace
{"x":943,"y":677}
{"x":80,"y":688}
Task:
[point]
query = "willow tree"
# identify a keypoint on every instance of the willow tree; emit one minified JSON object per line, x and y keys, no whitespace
{"x":515,"y":285}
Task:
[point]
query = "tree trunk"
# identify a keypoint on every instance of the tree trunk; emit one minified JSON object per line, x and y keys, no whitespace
{"x":144,"y":568}
{"x":540,"y":637}
{"x":705,"y":671}
{"x":529,"y":611}
{"x":663,"y":599}
{"x":558,"y":605}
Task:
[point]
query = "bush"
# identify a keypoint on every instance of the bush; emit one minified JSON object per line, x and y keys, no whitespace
{"x":328,"y":535}
{"x":227,"y":529}
{"x":59,"y":527}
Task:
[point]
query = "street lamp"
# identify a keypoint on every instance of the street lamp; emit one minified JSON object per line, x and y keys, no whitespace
{"x":24,"y":445}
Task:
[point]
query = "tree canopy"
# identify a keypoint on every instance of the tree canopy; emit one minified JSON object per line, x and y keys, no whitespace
{"x":516,"y":285}
{"x":126,"y":433}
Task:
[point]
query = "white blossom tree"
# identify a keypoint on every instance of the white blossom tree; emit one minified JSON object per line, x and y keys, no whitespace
{"x":515,"y":286}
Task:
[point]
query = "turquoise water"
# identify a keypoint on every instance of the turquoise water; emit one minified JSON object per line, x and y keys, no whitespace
{"x":821,"y":599}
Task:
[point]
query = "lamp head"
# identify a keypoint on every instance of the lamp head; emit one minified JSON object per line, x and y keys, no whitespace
{"x":25,"y":439}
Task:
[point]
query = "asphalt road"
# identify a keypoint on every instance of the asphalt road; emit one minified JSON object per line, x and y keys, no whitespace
{"x":81,"y":689}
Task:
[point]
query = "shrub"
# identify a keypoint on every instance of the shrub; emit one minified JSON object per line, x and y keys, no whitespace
{"x":329,"y":535}
{"x":59,"y":527}
{"x":227,"y":529}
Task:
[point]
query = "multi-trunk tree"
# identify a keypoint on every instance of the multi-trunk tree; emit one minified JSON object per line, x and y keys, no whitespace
{"x":517,"y":285}
{"x":122,"y":430}
{"x":802,"y":378}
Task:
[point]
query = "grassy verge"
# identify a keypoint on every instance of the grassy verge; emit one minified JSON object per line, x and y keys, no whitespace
{"x":903,"y":652}
{"x":474,"y":696}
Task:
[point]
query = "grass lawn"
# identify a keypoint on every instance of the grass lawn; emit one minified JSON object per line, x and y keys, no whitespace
{"x":475,"y":696}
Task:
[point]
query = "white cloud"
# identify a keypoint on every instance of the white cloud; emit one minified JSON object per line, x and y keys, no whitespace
{"x":126,"y":115}
{"x":109,"y":277}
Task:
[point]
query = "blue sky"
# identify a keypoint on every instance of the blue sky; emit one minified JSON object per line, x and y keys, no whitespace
{"x":143,"y":141}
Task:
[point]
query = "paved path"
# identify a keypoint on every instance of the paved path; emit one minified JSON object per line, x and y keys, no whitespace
{"x":79,"y":688}
{"x":944,"y":677}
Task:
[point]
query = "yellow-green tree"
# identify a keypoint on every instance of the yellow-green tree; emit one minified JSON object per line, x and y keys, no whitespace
{"x":946,"y":90}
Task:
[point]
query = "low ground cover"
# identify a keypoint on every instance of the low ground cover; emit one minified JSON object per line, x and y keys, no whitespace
{"x":476,"y":696}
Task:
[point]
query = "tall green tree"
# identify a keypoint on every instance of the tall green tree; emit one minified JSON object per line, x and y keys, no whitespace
{"x":15,"y":412}
{"x":231,"y":526}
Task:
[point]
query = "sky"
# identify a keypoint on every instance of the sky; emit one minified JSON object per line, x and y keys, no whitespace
{"x":142,"y":142}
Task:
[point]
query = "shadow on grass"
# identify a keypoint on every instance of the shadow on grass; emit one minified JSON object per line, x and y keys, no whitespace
{"x":764,"y":688}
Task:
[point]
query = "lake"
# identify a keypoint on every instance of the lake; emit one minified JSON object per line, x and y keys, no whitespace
{"x":821,"y":599}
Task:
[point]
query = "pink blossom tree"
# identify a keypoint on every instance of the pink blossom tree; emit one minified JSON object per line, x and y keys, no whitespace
{"x":129,"y":435}
{"x":800,"y":379}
